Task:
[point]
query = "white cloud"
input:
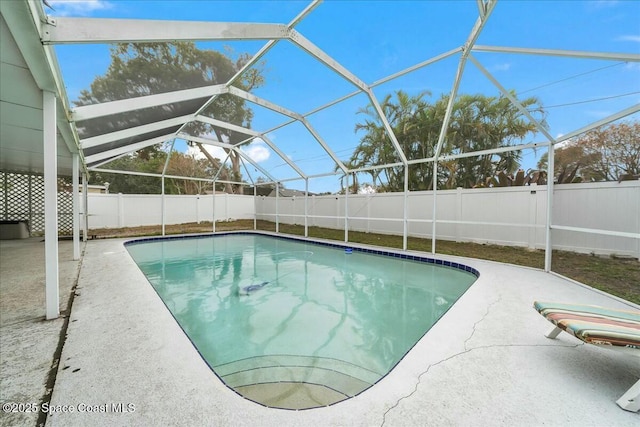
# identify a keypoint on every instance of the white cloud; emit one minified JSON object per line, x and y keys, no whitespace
{"x":78,"y":7}
{"x":632,"y":66}
{"x":500,"y":67}
{"x":563,"y":143}
{"x":600,"y":4}
{"x":629,"y":39}
{"x":599,"y":114}
{"x":257,"y":151}
{"x":216,"y":152}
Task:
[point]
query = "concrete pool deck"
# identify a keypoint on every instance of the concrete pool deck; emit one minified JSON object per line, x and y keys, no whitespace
{"x":125,"y":361}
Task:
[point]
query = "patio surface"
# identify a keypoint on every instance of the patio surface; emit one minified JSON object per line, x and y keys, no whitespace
{"x":485,"y":363}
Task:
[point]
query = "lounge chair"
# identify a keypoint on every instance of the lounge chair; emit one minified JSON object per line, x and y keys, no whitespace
{"x":606,"y":328}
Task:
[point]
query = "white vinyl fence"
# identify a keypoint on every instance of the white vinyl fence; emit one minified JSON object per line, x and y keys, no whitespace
{"x":513,"y":216}
{"x":132,"y":210}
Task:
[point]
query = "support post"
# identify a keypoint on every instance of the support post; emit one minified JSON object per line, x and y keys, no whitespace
{"x":433,"y":219}
{"x":306,"y":207}
{"x":213,"y":218}
{"x":164,"y":171}
{"x":30,"y":198}
{"x":405,"y":207}
{"x":277,"y":203}
{"x":346,"y":208}
{"x":255,"y":210}
{"x":52,"y":298}
{"x":5,"y":190}
{"x":85,"y":206}
{"x":75,"y":159}
{"x":162,"y":204}
{"x":548,"y":250}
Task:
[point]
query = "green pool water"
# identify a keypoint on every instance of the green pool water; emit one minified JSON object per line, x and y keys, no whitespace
{"x":293,"y":324}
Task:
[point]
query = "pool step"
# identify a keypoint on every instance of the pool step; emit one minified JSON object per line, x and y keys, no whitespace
{"x":296,"y":382}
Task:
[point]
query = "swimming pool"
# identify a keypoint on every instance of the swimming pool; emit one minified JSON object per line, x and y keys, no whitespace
{"x":296,"y":324}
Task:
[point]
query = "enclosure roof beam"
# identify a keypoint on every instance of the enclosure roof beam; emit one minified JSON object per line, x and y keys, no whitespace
{"x":304,"y":44}
{"x":415,"y":67}
{"x":376,"y":83}
{"x":66,"y":30}
{"x":129,"y":148}
{"x":387,"y":126}
{"x":612,"y":118}
{"x":127,"y":133}
{"x":157,"y":175}
{"x":483,"y":152}
{"x":227,"y":146}
{"x":376,"y":167}
{"x":327,"y":60}
{"x":93,"y":111}
{"x":105,"y":161}
{"x":263,"y":50}
{"x":283,"y":156}
{"x":278,"y":109}
{"x":627,"y":57}
{"x":263,"y":102}
{"x":226,"y":125}
{"x":513,"y":100}
{"x":202,"y":140}
{"x":466,"y":50}
{"x":255,"y":164}
{"x":482,"y":7}
{"x":266,"y":141}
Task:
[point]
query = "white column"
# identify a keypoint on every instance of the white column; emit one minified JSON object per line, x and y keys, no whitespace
{"x":346,"y":209}
{"x":120,"y":211}
{"x":458,"y":213}
{"x":255,"y":208}
{"x":550,"y":176}
{"x":162,"y":205}
{"x":85,"y":206}
{"x":52,"y":299}
{"x":405,"y":209}
{"x":277,"y":202}
{"x":433,"y":223}
{"x":306,"y":207}
{"x":75,"y":159}
{"x":213,"y":201}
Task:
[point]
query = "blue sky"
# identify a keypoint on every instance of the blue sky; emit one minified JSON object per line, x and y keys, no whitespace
{"x":375,"y":39}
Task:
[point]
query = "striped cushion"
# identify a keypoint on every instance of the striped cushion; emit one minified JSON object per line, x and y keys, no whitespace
{"x":593,"y":324}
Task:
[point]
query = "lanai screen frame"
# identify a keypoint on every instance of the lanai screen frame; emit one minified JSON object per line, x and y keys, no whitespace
{"x":92,"y":30}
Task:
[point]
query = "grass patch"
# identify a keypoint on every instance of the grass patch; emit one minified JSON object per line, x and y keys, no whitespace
{"x":619,"y":277}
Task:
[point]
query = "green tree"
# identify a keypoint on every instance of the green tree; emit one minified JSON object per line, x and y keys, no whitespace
{"x":478,"y":122}
{"x":152,"y":162}
{"x":140,"y":69}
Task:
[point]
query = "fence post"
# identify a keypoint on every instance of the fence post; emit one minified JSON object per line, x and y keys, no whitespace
{"x":120,"y":211}
{"x":368,"y":212}
{"x":458,"y":212}
{"x":533,"y":215}
{"x":277,"y":199}
{"x":306,"y":207}
{"x":197,"y":209}
{"x":346,"y":210}
{"x":226,"y":206}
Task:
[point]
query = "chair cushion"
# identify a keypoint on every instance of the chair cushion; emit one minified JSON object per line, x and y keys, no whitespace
{"x":593,"y":324}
